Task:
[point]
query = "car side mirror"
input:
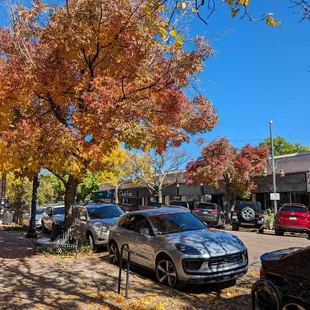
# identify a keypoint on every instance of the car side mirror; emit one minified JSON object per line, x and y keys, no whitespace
{"x":82,"y":218}
{"x":145,"y":232}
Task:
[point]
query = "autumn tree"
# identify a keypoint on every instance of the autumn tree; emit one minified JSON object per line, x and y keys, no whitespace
{"x":77,"y":79}
{"x":153,"y":168}
{"x":282,"y":146}
{"x":224,"y":166}
{"x":117,"y":169}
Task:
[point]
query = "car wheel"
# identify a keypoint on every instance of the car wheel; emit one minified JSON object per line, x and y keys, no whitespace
{"x":114,"y":254}
{"x":235,"y":227}
{"x":261,"y":230}
{"x":247,"y":214}
{"x":166,"y":272}
{"x":278,"y":232}
{"x":293,"y":304}
{"x":92,"y":244}
{"x":44,"y":228}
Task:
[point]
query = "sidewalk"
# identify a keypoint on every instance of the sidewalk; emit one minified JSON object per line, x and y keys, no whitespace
{"x":30,"y":281}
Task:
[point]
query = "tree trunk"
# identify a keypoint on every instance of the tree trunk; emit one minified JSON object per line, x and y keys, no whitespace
{"x":116,"y":194}
{"x":70,"y":194}
{"x":32,"y":223}
{"x":160,"y":195}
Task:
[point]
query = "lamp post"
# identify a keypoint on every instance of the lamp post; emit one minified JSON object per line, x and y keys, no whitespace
{"x":3,"y":188}
{"x":178,"y":189}
{"x":273,"y":169}
{"x":201,"y":192}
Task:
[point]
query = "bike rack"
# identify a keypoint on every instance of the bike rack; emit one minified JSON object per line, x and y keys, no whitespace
{"x":120,"y":270}
{"x":265,"y":283}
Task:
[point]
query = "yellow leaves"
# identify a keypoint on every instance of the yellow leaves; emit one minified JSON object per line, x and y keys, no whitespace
{"x":270,"y":21}
{"x":181,"y":5}
{"x":243,"y":2}
{"x":194,"y":10}
{"x":230,"y":2}
{"x":162,"y":31}
{"x":178,"y":37}
{"x":234,"y":12}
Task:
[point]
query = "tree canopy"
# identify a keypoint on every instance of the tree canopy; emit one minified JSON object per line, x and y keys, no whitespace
{"x":77,"y":79}
{"x":223,"y":165}
{"x":282,"y":146}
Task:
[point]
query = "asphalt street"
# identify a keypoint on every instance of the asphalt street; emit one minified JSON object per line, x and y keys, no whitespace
{"x":258,"y":244}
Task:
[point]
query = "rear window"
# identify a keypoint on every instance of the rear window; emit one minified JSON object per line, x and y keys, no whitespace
{"x":242,"y":204}
{"x":178,"y":203}
{"x":154,"y":204}
{"x":206,"y":206}
{"x":294,"y":209}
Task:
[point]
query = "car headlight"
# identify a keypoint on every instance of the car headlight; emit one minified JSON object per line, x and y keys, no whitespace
{"x":186,"y":249}
{"x":104,"y":228}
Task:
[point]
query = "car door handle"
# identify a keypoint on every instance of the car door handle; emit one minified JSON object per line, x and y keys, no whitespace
{"x":117,"y":234}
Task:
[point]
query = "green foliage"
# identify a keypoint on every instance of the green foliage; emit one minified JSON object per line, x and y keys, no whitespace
{"x":18,"y":190}
{"x":89,"y":184}
{"x":282,"y":146}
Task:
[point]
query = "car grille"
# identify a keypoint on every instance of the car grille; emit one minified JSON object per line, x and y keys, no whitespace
{"x":226,"y":260}
{"x":192,"y":264}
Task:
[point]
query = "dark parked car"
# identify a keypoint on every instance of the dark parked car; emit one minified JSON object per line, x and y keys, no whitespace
{"x":178,"y":247}
{"x":292,"y":217}
{"x":93,"y":222}
{"x":126,"y":207}
{"x":53,"y":216}
{"x":152,"y":205}
{"x":210,"y":213}
{"x":289,"y":271}
{"x":247,"y":214}
{"x":180,"y":203}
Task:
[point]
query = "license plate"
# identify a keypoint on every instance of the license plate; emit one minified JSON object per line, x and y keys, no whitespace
{"x":293,"y":218}
{"x":234,"y":216}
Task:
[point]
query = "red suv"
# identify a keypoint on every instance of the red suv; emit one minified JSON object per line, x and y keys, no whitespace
{"x":293,"y":217}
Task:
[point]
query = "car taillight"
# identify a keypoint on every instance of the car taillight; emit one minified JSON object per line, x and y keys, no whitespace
{"x":260,"y":214}
{"x":262,"y":273}
{"x":235,"y":212}
{"x":215,"y":211}
{"x":196,"y":210}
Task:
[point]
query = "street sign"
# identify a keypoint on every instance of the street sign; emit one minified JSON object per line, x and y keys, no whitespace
{"x":274,"y":196}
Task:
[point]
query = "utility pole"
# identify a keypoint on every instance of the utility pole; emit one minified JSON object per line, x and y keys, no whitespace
{"x":273,"y":168}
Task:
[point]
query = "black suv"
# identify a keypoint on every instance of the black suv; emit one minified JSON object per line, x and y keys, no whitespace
{"x":210,"y":213}
{"x":289,"y":272}
{"x":247,"y":214}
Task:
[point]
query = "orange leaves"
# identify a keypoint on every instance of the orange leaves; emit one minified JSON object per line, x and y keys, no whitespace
{"x":221,"y":164}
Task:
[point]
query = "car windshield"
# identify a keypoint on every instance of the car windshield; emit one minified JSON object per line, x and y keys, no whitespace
{"x":104,"y":212}
{"x":176,"y":222}
{"x":294,"y":209}
{"x":178,"y":203}
{"x":206,"y":206}
{"x":39,"y":211}
{"x":58,"y":211}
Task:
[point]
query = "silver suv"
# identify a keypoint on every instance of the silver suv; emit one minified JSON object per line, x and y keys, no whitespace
{"x":93,"y":221}
{"x":178,"y":247}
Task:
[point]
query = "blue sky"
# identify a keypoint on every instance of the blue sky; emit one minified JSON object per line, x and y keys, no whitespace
{"x":257,"y":73}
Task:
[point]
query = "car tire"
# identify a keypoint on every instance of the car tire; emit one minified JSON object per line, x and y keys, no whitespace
{"x":44,"y":228}
{"x":166,"y":273}
{"x":114,"y":256}
{"x":292,"y":304}
{"x":92,"y":244}
{"x":235,"y":227}
{"x":261,"y":230}
{"x":278,"y":232}
{"x":221,"y":223}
